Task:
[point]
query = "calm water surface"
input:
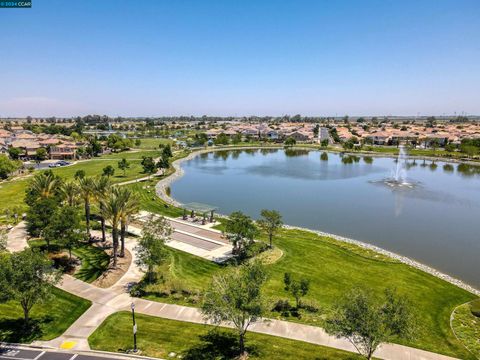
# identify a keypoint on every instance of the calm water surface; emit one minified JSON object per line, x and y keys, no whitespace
{"x":436,"y":223}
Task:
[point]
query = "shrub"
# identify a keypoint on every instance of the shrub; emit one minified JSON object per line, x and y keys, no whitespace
{"x":475,"y":308}
{"x":282,"y":305}
{"x":310,"y":305}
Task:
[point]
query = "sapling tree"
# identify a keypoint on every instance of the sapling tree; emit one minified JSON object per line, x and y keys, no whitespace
{"x":236,"y":296}
{"x":298,"y":288}
{"x":368,"y":323}
{"x":271,"y":222}
{"x":151,"y":249}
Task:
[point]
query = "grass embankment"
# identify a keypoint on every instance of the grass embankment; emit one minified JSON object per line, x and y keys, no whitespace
{"x":94,"y":261}
{"x":159,"y":337}
{"x":48,"y":320}
{"x":12,"y":192}
{"x":466,"y":324}
{"x":430,"y":153}
{"x":332,"y":268}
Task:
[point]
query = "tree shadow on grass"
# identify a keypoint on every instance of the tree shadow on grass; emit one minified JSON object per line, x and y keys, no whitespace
{"x":218,"y":345}
{"x":15,"y":331}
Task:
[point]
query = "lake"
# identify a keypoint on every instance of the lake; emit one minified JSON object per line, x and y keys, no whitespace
{"x":437,"y":222}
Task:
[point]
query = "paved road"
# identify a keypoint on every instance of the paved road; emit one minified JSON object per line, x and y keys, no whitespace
{"x":24,"y":353}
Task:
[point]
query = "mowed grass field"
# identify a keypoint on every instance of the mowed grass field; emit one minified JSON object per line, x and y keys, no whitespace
{"x":153,"y":143}
{"x":49,"y":319}
{"x":333,"y":268}
{"x":159,"y":337}
{"x":12,"y":192}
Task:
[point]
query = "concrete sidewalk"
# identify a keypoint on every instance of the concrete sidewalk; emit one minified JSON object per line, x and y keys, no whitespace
{"x":17,"y":237}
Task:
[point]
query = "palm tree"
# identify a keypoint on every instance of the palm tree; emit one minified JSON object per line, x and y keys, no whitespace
{"x":87,"y":194}
{"x":130,"y":206}
{"x":45,"y":185}
{"x":70,"y":191}
{"x":111,"y":209}
{"x":101,"y":186}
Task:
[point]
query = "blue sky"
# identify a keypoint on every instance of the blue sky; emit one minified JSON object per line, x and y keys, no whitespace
{"x":226,"y":57}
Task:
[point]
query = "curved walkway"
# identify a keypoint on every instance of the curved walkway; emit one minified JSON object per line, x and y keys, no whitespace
{"x":106,"y":301}
{"x":17,"y":237}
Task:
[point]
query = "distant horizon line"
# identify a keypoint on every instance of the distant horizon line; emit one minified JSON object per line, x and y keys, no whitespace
{"x":241,"y":116}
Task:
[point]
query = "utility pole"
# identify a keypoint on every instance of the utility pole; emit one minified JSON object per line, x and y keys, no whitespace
{"x":134,"y":329}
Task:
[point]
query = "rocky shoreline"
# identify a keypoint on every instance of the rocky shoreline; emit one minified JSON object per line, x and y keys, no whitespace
{"x":163,"y":184}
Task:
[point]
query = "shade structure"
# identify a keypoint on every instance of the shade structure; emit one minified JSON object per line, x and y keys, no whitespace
{"x":199,"y":207}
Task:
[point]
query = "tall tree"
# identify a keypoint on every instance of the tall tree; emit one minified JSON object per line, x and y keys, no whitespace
{"x":87,"y":192}
{"x":8,"y":166}
{"x":167,"y":151}
{"x":101,"y":186}
{"x":70,"y":193}
{"x":130,"y":206}
{"x":236,"y":296}
{"x":151,"y":246}
{"x":66,"y":227}
{"x":163,"y":163}
{"x":111,"y":210}
{"x":27,"y":277}
{"x":290,"y":141}
{"x":367,"y":323}
{"x":40,"y":155}
{"x":240,"y":230}
{"x":43,"y":196}
{"x":148,"y":165}
{"x":43,"y":185}
{"x":271,"y":222}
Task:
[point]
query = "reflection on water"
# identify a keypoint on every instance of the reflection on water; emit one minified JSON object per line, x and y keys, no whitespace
{"x":368,"y":160}
{"x":435,"y":221}
{"x":296,"y":152}
{"x":448,"y":168}
{"x":468,"y":170}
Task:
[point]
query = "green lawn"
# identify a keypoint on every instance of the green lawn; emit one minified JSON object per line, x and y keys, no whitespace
{"x":95,"y":166}
{"x":94,"y":261}
{"x":467,"y":326}
{"x":153,"y":143}
{"x":49,"y":319}
{"x":12,"y":192}
{"x":158,"y":337}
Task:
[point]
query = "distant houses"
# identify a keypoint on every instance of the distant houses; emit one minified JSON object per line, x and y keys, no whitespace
{"x":56,"y":146}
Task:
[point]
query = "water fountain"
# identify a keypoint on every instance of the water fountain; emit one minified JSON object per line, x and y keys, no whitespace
{"x":399,"y":173}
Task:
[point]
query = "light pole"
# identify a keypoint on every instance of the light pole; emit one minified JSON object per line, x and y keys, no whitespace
{"x":134,"y":328}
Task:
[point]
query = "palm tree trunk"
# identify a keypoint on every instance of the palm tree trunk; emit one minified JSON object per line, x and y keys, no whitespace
{"x":115,"y":244}
{"x":104,"y":236}
{"x":87,"y":218}
{"x":123,"y":226}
